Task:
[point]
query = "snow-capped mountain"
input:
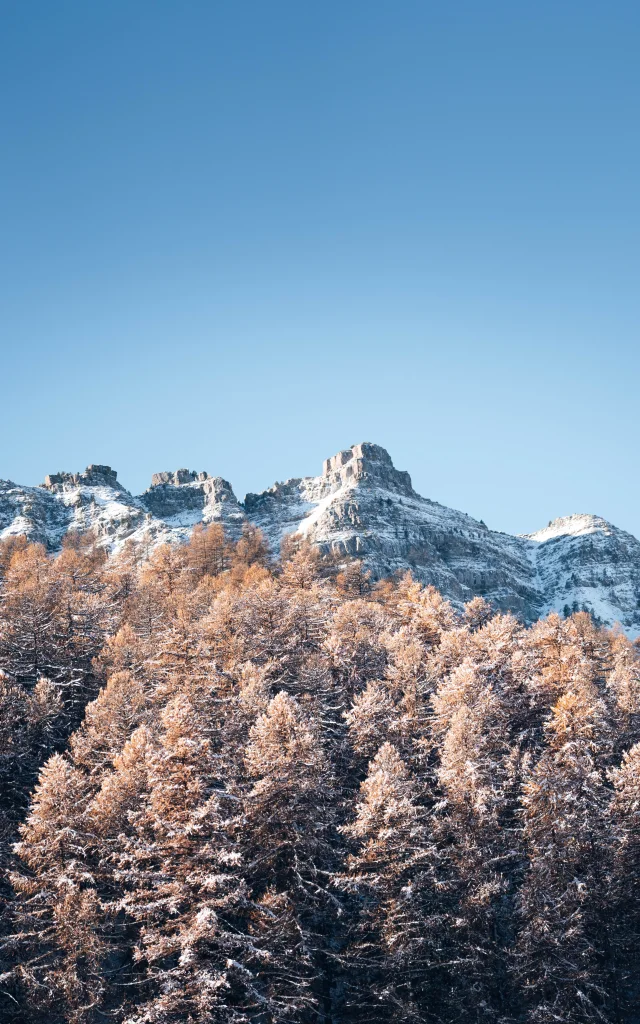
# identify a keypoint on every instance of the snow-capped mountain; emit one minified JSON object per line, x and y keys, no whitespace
{"x":582,"y":561}
{"x":359,"y":506}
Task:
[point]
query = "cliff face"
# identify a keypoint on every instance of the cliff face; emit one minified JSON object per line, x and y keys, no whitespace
{"x":184,"y":498}
{"x":360,"y":505}
{"x":93,"y":476}
{"x":584,"y":561}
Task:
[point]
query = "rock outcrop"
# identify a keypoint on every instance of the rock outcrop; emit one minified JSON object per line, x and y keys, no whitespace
{"x":186,"y":497}
{"x":368,"y":464}
{"x":93,"y":476}
{"x":181,"y":476}
{"x":362,"y":506}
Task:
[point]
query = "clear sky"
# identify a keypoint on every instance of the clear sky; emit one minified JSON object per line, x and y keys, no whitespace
{"x":239,"y":236}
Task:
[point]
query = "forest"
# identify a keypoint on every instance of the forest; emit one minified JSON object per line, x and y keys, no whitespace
{"x":247,"y":789}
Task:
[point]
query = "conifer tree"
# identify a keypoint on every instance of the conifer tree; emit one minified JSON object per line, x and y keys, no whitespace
{"x":624,"y":910}
{"x":60,"y":948}
{"x":28,"y":727}
{"x":288,"y":851}
{"x":395,"y":960}
{"x":109,"y":722}
{"x":207,"y":551}
{"x":565,"y":942}
{"x":251,"y":550}
{"x":372,"y":718}
{"x":354,"y":581}
{"x":299,"y":798}
{"x":355,"y":642}
{"x":475,"y":838}
{"x":178,"y":869}
{"x":301,"y":569}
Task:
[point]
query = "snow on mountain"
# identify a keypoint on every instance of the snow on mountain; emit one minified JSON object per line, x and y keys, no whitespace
{"x":96,"y":501}
{"x":181,"y":499}
{"x":583,"y":561}
{"x":360,"y":505}
{"x":577,"y":525}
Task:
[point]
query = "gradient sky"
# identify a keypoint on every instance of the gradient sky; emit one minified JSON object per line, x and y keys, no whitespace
{"x":241,"y":236}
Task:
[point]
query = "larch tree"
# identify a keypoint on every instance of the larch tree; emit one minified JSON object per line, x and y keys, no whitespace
{"x":565,"y":949}
{"x":394,"y":960}
{"x":59,"y":961}
{"x":624,"y":910}
{"x":178,"y":872}
{"x":475,"y":837}
{"x":275,"y":792}
{"x":288,"y":842}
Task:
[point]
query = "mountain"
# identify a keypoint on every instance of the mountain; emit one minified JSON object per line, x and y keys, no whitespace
{"x":362,"y":506}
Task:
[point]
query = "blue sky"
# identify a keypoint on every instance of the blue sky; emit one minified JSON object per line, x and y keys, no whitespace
{"x":241,"y":236}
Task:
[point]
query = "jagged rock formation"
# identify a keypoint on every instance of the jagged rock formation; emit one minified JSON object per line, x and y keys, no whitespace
{"x":93,"y":476}
{"x":185,"y":497}
{"x":359,"y":506}
{"x":362,"y":506}
{"x":181,"y":476}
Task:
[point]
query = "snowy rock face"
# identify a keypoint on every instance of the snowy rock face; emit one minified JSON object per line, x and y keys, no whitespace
{"x":583,"y":561}
{"x":94,"y":500}
{"x":184,"y":498}
{"x":362,"y":506}
{"x":93,"y":476}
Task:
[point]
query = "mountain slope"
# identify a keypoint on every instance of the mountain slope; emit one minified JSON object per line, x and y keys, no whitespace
{"x":583,"y":561}
{"x":360,"y":505}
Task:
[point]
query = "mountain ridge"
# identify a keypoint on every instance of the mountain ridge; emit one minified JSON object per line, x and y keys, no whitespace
{"x":359,"y":506}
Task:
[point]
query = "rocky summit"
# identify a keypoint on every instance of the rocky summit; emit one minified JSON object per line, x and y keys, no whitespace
{"x":360,"y":506}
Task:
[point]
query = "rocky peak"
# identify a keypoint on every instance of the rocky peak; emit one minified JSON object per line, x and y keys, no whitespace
{"x":93,"y":476}
{"x":188,"y":493}
{"x":577,"y":525}
{"x":368,"y":464}
{"x":360,"y":505}
{"x":181,"y":476}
